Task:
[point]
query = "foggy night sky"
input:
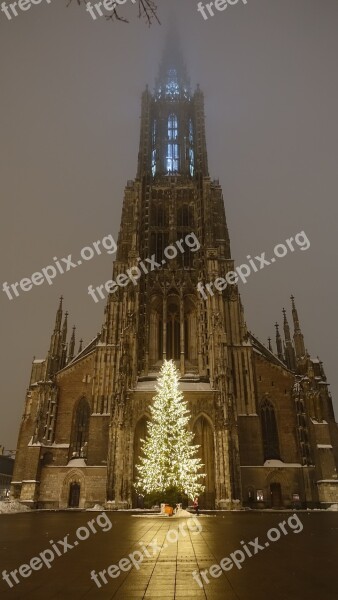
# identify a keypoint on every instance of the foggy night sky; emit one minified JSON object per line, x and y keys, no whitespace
{"x":70,"y":117}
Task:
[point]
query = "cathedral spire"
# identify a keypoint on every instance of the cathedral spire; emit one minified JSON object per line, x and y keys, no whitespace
{"x":279,"y":343}
{"x":72,"y":345}
{"x":64,"y":329}
{"x":297,"y":336}
{"x":80,"y":346}
{"x":58,"y":318}
{"x":63,"y":360}
{"x":172,"y":81}
{"x":289,"y":349}
{"x":54,"y":358}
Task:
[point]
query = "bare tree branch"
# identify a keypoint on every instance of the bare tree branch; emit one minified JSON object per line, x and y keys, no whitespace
{"x":147,"y":9}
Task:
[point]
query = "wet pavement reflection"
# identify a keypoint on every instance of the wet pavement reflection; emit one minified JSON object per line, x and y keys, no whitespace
{"x":242,"y":556}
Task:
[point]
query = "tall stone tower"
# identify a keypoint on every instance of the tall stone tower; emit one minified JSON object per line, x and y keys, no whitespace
{"x":164,"y":316}
{"x":264,"y":421}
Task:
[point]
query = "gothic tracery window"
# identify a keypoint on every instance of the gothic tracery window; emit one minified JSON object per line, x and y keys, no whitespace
{"x":80,"y":430}
{"x":172,"y":158}
{"x":269,"y":430}
{"x":154,"y":152}
{"x":158,"y":243}
{"x":191,"y":149}
{"x":173,"y":332}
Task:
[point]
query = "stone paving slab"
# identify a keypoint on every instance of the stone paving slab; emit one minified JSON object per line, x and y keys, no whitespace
{"x":298,"y":566}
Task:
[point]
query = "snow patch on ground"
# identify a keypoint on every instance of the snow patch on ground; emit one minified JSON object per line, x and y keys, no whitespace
{"x":96,"y":508}
{"x":7,"y":508}
{"x":333,"y":507}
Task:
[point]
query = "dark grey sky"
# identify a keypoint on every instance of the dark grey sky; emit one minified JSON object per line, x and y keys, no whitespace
{"x":70,"y":106}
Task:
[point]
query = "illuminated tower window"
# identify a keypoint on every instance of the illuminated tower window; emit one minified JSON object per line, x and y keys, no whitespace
{"x":172,"y":85}
{"x":153,"y":162}
{"x":153,"y":152}
{"x":172,"y":158}
{"x":191,"y":149}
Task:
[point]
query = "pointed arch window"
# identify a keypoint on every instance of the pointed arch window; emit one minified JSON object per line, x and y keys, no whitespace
{"x":172,"y":87}
{"x":172,"y":158}
{"x":153,"y":152}
{"x":191,"y":149}
{"x":158,"y":243}
{"x":80,"y":430}
{"x":269,"y":431}
{"x":173,"y":331}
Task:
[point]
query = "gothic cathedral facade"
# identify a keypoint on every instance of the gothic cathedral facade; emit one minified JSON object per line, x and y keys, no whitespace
{"x":264,"y":420}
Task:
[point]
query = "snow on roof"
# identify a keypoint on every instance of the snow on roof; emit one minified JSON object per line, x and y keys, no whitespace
{"x":250,"y":415}
{"x":76,"y":462}
{"x":327,"y":481}
{"x":54,"y":445}
{"x":279,"y":463}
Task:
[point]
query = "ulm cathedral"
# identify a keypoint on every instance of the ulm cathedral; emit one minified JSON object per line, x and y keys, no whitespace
{"x":263,"y":419}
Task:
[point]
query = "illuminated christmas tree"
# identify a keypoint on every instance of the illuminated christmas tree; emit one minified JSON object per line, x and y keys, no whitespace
{"x":169,"y":460}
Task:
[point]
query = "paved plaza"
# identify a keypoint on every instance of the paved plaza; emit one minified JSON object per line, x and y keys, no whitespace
{"x":297,"y":566}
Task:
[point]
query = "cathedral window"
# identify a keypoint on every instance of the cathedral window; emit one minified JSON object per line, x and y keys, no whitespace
{"x":158,"y":244}
{"x":154,"y":153}
{"x":153,"y":162}
{"x":172,"y":127}
{"x":185,"y":224}
{"x":186,"y":339}
{"x":191,"y":149}
{"x":49,"y":425}
{"x":80,"y":430}
{"x":160,"y":339}
{"x":159,"y":216}
{"x":185,"y":217}
{"x":172,"y":158}
{"x":173,"y":332}
{"x":270,"y":431}
{"x":172,"y":87}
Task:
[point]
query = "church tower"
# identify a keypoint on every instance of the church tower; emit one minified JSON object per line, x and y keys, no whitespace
{"x":174,"y":213}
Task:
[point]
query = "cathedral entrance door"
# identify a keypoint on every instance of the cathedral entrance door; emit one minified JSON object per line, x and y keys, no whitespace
{"x":74,"y":495}
{"x":276,"y":495}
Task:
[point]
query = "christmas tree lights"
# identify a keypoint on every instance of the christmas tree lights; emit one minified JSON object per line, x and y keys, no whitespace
{"x":169,"y":455}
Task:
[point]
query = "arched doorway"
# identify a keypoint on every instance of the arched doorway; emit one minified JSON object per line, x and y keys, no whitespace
{"x":204,"y":437}
{"x":140,"y":433}
{"x":276,"y":495}
{"x":74,"y":495}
